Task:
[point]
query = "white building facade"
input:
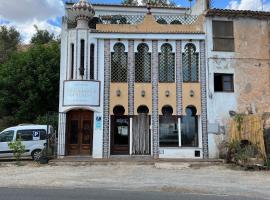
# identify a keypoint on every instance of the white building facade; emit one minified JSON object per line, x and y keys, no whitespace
{"x":139,"y":81}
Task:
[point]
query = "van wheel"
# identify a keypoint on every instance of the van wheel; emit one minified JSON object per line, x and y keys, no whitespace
{"x":36,"y":155}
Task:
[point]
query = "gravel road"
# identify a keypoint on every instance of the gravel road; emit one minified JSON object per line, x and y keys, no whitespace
{"x":219,"y":180}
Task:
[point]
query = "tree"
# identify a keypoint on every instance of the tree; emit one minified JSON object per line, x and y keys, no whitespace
{"x":9,"y":40}
{"x":29,"y":84}
{"x":130,"y":2}
{"x":152,"y":2}
{"x":41,"y":36}
{"x":159,"y":2}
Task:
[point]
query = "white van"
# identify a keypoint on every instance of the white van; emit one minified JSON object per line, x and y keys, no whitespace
{"x":32,"y":136}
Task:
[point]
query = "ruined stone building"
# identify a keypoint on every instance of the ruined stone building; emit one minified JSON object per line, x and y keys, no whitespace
{"x":158,"y":81}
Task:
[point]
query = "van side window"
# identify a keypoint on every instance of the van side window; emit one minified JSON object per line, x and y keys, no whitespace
{"x":29,"y":135}
{"x":6,"y":136}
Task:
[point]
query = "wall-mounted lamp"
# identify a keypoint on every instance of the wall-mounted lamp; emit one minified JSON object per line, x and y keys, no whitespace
{"x":167,"y":93}
{"x":191,"y":93}
{"x":118,"y":93}
{"x":143,"y":93}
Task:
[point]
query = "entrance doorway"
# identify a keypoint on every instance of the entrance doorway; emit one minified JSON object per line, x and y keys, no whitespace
{"x":141,"y":132}
{"x":79,"y":132}
{"x":119,"y":132}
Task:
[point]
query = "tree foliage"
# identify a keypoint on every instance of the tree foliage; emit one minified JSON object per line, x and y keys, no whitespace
{"x":29,"y":83}
{"x":152,"y":2}
{"x":130,"y":2}
{"x":42,"y":36}
{"x":9,"y":40}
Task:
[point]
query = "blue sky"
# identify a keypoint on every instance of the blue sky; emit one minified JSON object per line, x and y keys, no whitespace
{"x":46,"y":14}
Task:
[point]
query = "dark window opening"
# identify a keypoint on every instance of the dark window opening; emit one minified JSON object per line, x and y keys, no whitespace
{"x":143,"y":109}
{"x":223,"y":36}
{"x":72,"y":61}
{"x":197,"y":154}
{"x":176,"y":22}
{"x":92,"y":61}
{"x":189,"y":128}
{"x":161,"y":21}
{"x":223,"y":83}
{"x":118,"y":110}
{"x":82,"y":58}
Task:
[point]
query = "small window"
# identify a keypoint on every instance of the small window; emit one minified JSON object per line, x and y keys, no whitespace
{"x":223,"y":83}
{"x":223,"y":37}
{"x":82,"y":58}
{"x":72,"y":61}
{"x":30,"y":135}
{"x":6,"y":136}
{"x":92,"y":61}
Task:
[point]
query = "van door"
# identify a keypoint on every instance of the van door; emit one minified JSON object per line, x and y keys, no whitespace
{"x":5,"y":138}
{"x":33,"y":139}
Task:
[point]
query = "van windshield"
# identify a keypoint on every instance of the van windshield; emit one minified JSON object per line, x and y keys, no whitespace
{"x":6,"y":136}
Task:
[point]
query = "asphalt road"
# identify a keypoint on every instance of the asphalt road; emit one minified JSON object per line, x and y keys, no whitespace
{"x":98,"y":194}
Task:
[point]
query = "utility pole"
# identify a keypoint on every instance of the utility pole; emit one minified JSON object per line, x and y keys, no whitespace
{"x":262,"y":4}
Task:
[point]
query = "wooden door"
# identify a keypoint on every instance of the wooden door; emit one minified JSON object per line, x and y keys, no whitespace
{"x":120,"y":135}
{"x":141,"y":134}
{"x":80,"y":132}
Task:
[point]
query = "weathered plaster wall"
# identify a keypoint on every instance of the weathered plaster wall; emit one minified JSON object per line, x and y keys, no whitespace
{"x":250,"y":66}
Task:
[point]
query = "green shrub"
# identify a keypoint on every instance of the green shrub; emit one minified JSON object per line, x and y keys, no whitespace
{"x":17,"y":148}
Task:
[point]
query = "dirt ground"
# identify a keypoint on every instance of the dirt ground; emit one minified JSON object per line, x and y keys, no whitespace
{"x":216,"y":179}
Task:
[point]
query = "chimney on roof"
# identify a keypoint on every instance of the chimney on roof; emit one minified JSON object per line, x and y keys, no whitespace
{"x":200,"y":6}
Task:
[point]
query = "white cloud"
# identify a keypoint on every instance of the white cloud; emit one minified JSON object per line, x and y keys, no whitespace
{"x":249,"y":5}
{"x":24,"y":14}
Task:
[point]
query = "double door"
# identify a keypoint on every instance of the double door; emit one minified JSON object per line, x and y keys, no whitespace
{"x":80,"y":132}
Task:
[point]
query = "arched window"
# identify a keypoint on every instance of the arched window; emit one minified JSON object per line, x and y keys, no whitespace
{"x":72,"y":61}
{"x":119,"y":63}
{"x":92,"y":61}
{"x":143,"y":64}
{"x":190,"y":64}
{"x":168,"y":128}
{"x":166,"y":64}
{"x":189,"y":128}
{"x":82,"y":58}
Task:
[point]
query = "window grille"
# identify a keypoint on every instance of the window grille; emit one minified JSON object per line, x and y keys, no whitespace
{"x":166,"y":64}
{"x":119,"y":63}
{"x":143,"y":64}
{"x":92,"y":61}
{"x":190,"y":64}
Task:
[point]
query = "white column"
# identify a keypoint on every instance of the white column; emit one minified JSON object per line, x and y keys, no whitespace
{"x":61,"y":135}
{"x":179,"y":132}
{"x":130,"y":136}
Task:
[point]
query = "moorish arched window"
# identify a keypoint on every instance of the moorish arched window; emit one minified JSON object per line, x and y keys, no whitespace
{"x":143,"y":64}
{"x":166,"y":64}
{"x":190,"y":64}
{"x":119,"y":63}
